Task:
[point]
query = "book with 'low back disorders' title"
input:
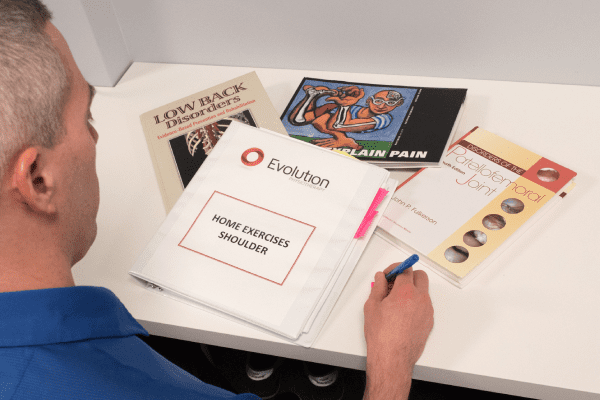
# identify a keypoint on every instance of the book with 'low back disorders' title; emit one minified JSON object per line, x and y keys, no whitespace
{"x":182,"y":133}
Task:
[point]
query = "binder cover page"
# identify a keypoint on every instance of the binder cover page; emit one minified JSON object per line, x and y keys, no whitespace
{"x":263,"y":227}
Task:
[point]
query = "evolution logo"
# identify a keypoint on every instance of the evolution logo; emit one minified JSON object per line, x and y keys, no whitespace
{"x":304,"y":178}
{"x":260,"y":155}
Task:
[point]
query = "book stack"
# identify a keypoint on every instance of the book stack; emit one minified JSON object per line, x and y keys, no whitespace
{"x":265,"y":228}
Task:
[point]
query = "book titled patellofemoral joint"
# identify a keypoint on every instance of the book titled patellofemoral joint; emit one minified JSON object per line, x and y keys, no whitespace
{"x":265,"y":231}
{"x":463,"y":215}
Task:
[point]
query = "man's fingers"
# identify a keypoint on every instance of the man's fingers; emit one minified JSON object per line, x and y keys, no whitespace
{"x":406,"y":276}
{"x":403,"y":285}
{"x":379,"y":289}
{"x":421,"y":280}
{"x":324,"y":142}
{"x":391,"y":267}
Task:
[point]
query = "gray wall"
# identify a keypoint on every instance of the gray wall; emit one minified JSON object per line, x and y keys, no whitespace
{"x":525,"y":40}
{"x":92,"y":30}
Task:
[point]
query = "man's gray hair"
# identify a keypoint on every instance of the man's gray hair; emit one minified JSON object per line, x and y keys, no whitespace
{"x":394,"y":96}
{"x":33,"y":81}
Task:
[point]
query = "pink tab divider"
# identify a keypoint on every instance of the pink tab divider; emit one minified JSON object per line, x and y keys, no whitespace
{"x":371,"y":213}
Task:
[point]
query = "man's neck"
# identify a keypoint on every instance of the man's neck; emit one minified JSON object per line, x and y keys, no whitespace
{"x":15,"y":280}
{"x":31,"y":258}
{"x":366,"y":112}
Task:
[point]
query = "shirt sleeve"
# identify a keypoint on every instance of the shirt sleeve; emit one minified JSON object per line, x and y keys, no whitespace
{"x":382,"y":121}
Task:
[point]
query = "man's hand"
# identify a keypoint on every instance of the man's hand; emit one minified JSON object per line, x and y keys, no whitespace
{"x":397,"y":326}
{"x":341,"y":141}
{"x":347,"y":95}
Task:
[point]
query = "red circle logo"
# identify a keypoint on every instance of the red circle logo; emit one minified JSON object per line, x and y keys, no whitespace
{"x":259,"y":152}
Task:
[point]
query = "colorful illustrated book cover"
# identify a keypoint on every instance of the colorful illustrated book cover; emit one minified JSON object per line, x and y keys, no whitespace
{"x":181,"y":134}
{"x":387,"y":125}
{"x":487,"y":189}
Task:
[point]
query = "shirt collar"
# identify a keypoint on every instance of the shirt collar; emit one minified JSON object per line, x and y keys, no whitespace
{"x":48,"y":316}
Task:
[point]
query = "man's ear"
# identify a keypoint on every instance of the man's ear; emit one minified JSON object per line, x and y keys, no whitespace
{"x":31,"y":184}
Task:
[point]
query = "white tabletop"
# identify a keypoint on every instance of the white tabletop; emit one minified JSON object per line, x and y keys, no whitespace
{"x":528,"y":325}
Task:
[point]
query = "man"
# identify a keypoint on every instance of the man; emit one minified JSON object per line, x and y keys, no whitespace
{"x":62,"y":341}
{"x":343,"y":116}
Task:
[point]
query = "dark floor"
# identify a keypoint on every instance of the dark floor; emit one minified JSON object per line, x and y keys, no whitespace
{"x":226,"y":369}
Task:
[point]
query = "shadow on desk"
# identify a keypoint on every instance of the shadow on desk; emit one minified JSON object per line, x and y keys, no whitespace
{"x":227,"y":369}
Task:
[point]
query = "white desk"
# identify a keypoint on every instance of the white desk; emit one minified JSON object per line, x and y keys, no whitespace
{"x":529,"y":325}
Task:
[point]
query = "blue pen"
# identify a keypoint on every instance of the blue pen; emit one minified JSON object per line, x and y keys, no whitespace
{"x":406,"y":264}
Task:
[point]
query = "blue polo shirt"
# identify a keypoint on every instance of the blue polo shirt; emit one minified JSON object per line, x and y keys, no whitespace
{"x":79,"y":343}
